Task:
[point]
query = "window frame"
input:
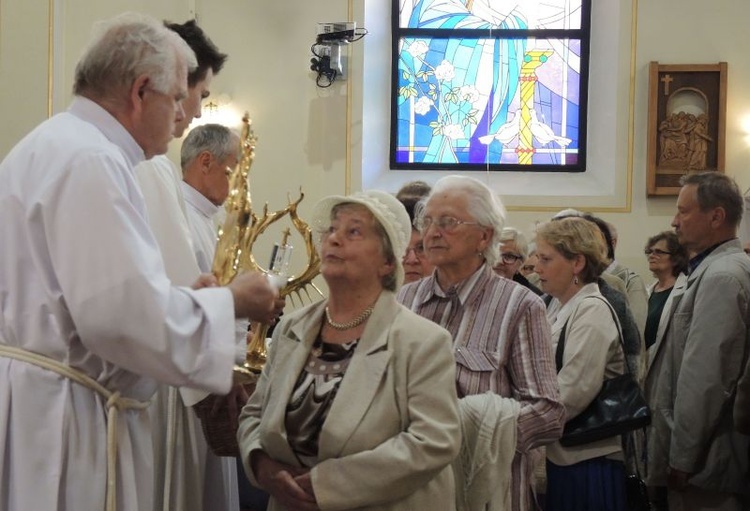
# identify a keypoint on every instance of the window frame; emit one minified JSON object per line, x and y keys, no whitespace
{"x":583,"y":34}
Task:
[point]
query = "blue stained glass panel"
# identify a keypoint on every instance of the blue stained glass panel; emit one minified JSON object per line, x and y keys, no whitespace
{"x":482,"y":14}
{"x":500,"y":101}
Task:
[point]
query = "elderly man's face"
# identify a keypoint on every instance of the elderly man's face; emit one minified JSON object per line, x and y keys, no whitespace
{"x":159,"y":112}
{"x":217,"y":179}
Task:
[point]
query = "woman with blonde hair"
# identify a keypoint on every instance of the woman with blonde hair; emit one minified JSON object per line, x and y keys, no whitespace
{"x":586,"y":339}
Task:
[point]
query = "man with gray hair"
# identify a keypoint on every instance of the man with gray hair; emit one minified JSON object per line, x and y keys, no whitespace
{"x":188,"y":476}
{"x":89,"y":322}
{"x":209,"y":154}
{"x":691,"y":383}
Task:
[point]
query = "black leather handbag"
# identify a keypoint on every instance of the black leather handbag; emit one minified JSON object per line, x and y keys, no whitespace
{"x":619,"y":406}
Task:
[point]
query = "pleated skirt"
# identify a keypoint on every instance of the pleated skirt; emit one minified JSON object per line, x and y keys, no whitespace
{"x":592,"y":485}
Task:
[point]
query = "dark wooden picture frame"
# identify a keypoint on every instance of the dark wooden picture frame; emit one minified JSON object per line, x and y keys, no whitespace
{"x":686,"y":123}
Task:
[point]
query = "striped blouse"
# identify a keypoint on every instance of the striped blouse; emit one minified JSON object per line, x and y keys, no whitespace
{"x":502,"y":344}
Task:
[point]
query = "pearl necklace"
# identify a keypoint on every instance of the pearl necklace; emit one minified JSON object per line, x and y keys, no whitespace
{"x":349,"y":324}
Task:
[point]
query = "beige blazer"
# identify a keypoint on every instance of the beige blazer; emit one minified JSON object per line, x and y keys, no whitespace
{"x":394,"y":427}
{"x":592,"y":354}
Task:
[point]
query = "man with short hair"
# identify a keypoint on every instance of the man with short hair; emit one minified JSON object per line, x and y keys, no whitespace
{"x":160,"y":178}
{"x":89,"y":322}
{"x":693,"y":447}
{"x":209,"y":153}
{"x":189,"y":477}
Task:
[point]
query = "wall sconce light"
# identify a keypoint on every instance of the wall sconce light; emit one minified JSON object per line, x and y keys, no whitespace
{"x":211,"y":107}
{"x":745,"y":126}
{"x":219,"y":109}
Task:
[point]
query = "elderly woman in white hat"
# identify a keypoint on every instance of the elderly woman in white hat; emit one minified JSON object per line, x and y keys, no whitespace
{"x":356,"y":407}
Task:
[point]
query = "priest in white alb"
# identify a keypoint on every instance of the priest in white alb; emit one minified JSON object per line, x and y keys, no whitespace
{"x":89,"y":321}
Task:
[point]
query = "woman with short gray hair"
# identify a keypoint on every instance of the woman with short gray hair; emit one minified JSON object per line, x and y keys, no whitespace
{"x":500,"y":334}
{"x":513,"y":253}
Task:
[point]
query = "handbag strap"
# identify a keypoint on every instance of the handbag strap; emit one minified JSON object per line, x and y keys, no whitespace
{"x":561,"y":347}
{"x":561,"y":342}
{"x":631,"y":454}
{"x":628,"y":439}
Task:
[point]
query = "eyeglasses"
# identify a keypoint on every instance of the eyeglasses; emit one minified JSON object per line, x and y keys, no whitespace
{"x":443,"y":223}
{"x":509,"y":258}
{"x":656,"y":252}
{"x":527,"y":267}
{"x":418,"y":251}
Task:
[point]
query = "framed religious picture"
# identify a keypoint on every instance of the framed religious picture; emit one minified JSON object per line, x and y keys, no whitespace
{"x":686,"y":123}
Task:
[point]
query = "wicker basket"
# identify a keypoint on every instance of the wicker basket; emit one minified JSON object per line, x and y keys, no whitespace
{"x":220,"y":434}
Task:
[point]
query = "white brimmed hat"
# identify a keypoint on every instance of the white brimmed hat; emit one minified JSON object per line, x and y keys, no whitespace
{"x":388,"y":211}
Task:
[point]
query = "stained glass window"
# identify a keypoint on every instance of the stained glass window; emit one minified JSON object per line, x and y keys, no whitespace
{"x":490,"y":84}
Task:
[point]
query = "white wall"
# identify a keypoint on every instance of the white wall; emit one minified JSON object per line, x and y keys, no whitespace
{"x":303,"y":130}
{"x":23,"y":69}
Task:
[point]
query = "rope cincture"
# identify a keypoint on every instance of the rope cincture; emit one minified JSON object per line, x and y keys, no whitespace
{"x":115,"y":403}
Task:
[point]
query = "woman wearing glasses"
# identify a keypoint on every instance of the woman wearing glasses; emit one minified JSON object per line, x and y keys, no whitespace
{"x":416,"y":264}
{"x":513,"y":252}
{"x":501,"y":338}
{"x":667,"y":261}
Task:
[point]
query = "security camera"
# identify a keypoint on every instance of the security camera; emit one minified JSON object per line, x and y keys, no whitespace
{"x":328,"y":62}
{"x":340,"y":32}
